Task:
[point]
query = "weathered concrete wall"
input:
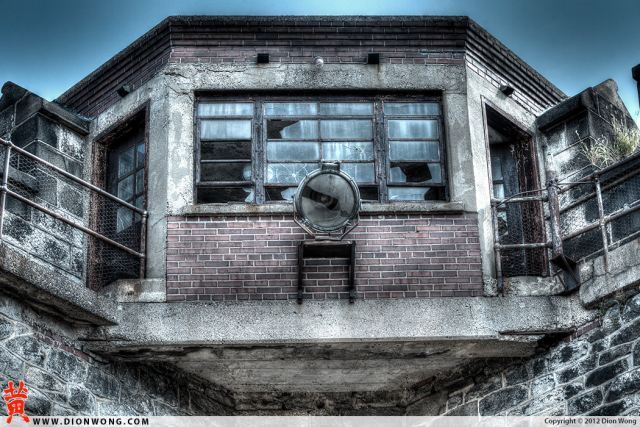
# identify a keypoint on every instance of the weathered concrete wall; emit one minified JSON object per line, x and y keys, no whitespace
{"x":171,"y":97}
{"x":479,"y":90}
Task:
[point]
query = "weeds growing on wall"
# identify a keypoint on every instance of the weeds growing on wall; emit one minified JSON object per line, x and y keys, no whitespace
{"x":602,"y":152}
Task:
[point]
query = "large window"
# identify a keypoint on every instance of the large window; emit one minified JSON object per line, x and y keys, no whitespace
{"x":259,"y":151}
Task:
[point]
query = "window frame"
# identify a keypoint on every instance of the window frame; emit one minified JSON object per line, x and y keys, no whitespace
{"x":381,"y":148}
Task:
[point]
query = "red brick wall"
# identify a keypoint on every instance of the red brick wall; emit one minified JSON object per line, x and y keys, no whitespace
{"x":255,"y":258}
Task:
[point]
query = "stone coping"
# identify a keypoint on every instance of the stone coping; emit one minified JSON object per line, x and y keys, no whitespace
{"x":242,"y":209}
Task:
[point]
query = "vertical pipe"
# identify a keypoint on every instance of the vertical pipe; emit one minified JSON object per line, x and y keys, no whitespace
{"x":300,"y":265}
{"x":143,"y":245}
{"x":496,"y":245}
{"x":603,"y":225}
{"x":554,"y":214}
{"x":3,"y":188}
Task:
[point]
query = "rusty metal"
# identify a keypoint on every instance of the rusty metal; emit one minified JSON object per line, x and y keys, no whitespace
{"x":143,"y":244}
{"x":66,"y":174}
{"x":600,"y":172}
{"x":589,"y":196}
{"x":3,"y":188}
{"x":554,"y":213}
{"x":73,"y":224}
{"x":525,"y":246}
{"x":496,"y":241}
{"x":327,"y":249}
{"x":603,"y":224}
{"x":514,"y":199}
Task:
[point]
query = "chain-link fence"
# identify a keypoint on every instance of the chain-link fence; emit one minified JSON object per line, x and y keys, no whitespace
{"x":79,"y":230}
{"x":595,"y":214}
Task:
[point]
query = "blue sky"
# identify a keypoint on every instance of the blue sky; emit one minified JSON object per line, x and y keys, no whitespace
{"x":49,"y":45}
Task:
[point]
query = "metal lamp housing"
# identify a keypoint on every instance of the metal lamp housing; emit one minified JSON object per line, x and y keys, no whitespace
{"x":327,"y":200}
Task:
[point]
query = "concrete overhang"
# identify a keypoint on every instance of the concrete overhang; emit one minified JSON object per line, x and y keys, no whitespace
{"x":333,"y":345}
{"x":48,"y":291}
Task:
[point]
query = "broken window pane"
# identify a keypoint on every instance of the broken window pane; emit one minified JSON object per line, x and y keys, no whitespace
{"x":225,"y":150}
{"x":125,"y":163}
{"x":498,"y":191}
{"x":229,"y":109}
{"x":368,"y":193}
{"x":125,"y":216}
{"x":414,"y":193}
{"x":281,"y":194}
{"x":289,"y":172}
{"x":413,"y":129}
{"x":292,"y":129}
{"x":225,"y":172}
{"x":290,"y":109}
{"x":346,"y":108}
{"x":225,"y":129}
{"x":351,"y":129}
{"x":140,"y":205}
{"x":414,"y":150}
{"x":360,"y":172}
{"x":412,"y":108}
{"x":347,"y":150}
{"x":415,"y":172}
{"x":125,"y":188}
{"x":140,"y":155}
{"x":139,"y":181}
{"x":290,"y":150}
{"x":225,"y":195}
{"x":496,"y":168}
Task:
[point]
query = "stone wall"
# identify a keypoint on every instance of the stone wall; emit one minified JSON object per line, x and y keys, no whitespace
{"x":397,"y":256}
{"x":57,"y":137}
{"x":595,"y":371}
{"x":65,"y":381}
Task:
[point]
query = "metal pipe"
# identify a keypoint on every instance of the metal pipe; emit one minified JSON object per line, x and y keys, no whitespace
{"x":519,"y":200}
{"x":73,"y":224}
{"x":603,"y":225}
{"x":607,"y":219}
{"x":602,"y":188}
{"x":554,"y":213}
{"x":496,"y":247}
{"x":143,"y":244}
{"x":70,"y":176}
{"x":525,"y":246}
{"x":603,"y":171}
{"x":3,"y":188}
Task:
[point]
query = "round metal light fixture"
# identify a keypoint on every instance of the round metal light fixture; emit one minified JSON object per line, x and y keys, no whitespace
{"x":327,"y":200}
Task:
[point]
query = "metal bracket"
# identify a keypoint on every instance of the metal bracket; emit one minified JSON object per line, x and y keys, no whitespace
{"x":327,"y":249}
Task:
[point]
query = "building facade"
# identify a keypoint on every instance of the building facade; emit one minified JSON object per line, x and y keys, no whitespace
{"x":181,"y":283}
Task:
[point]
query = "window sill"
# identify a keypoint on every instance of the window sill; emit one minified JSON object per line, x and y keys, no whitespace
{"x":242,"y":209}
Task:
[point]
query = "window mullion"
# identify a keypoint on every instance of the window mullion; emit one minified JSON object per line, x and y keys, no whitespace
{"x":259,"y":153}
{"x":380,"y":149}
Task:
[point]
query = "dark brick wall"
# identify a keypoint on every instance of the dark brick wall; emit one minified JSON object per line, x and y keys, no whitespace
{"x":255,"y":258}
{"x":432,"y":40}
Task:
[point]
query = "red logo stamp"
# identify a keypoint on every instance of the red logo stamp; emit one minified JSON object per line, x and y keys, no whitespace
{"x":15,"y":401}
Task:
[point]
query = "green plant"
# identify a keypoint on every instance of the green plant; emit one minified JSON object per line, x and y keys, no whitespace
{"x":602,"y":152}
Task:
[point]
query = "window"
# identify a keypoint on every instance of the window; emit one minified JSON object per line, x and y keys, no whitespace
{"x":259,"y":151}
{"x":125,"y":177}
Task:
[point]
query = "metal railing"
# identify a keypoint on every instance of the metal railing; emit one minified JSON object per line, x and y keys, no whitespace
{"x":578,"y":224}
{"x":69,"y":203}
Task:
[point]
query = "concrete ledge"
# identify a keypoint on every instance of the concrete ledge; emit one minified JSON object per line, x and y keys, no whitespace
{"x":136,"y":290}
{"x":225,"y":323}
{"x":598,"y":284}
{"x":238,"y":209}
{"x":51,"y":292}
